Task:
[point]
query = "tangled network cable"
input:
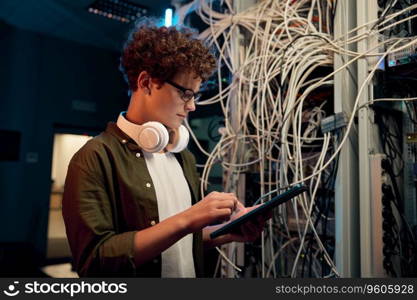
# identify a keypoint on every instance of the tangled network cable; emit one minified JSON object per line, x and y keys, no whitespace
{"x":272,"y":120}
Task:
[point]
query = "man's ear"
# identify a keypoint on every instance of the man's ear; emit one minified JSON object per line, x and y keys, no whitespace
{"x":144,"y":82}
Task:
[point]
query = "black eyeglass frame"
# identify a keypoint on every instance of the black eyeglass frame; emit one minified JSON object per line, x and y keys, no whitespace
{"x":186,"y":94}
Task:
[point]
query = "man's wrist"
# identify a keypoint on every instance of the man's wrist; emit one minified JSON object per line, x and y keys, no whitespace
{"x":184,"y":222}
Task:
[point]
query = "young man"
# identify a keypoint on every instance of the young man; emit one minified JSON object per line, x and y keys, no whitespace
{"x":130,"y":212}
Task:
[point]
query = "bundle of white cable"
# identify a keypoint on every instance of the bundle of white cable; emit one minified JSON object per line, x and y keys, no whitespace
{"x":288,"y":41}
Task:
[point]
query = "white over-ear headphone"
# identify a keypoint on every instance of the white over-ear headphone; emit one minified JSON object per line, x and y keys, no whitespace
{"x":154,"y":137}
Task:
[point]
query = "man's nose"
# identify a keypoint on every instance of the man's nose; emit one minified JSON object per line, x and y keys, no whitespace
{"x":190,"y":105}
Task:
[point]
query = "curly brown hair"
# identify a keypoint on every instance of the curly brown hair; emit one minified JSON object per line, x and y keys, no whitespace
{"x":162,"y":52}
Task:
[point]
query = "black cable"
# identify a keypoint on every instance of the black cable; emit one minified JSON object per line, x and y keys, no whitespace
{"x":386,"y":140}
{"x":388,"y":144}
{"x":383,"y":16}
{"x":334,"y":8}
{"x":410,"y":115}
{"x":391,"y":238}
{"x":405,"y":236}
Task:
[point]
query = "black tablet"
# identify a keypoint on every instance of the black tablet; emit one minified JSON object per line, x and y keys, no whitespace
{"x":277,"y":200}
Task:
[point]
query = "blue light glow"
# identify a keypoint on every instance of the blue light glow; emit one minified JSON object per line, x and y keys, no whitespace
{"x":168,"y":17}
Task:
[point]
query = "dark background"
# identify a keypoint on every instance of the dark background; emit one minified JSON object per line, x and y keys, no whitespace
{"x":58,"y":74}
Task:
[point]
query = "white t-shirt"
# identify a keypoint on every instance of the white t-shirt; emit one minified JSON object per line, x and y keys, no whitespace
{"x":173,"y":195}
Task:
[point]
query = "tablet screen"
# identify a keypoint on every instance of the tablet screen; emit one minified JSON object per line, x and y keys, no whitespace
{"x":269,"y":205}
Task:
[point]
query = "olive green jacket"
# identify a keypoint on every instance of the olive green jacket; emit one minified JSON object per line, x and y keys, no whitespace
{"x":108,"y":197}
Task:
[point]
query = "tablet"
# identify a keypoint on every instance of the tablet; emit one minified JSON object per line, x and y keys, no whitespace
{"x":269,"y":205}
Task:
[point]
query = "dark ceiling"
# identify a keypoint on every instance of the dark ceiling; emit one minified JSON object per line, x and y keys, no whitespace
{"x":70,"y":20}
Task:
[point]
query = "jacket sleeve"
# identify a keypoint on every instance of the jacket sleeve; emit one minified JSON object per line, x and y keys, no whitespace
{"x":97,"y":249}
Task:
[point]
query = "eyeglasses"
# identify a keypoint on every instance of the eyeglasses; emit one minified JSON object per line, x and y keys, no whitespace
{"x":185,"y":94}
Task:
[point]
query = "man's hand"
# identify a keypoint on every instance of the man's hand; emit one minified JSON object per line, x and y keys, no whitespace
{"x":249,"y":231}
{"x":214,"y":208}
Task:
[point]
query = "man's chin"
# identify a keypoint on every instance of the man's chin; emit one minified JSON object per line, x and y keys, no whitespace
{"x":172,"y":125}
{"x":175,"y":125}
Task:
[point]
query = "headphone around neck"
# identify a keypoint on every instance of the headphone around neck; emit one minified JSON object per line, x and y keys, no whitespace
{"x":154,"y":137}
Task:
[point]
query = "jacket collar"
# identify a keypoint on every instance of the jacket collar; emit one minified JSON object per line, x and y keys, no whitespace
{"x":122,"y":136}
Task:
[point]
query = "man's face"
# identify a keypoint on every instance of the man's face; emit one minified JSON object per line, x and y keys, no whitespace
{"x":167,"y":106}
